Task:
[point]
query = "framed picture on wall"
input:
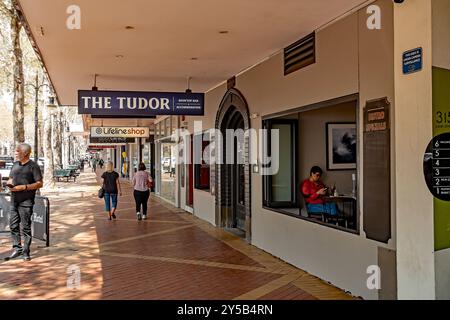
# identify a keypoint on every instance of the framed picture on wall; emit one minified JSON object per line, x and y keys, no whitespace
{"x":341,"y":146}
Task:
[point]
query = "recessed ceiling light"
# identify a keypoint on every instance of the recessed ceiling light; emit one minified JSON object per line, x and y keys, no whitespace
{"x":119,"y":56}
{"x":129,"y":28}
{"x":194,"y":58}
{"x":223,"y":31}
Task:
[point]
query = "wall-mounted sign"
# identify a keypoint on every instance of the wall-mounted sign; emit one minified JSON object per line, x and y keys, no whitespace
{"x":376,"y":116}
{"x":111,"y":140}
{"x":139,"y":104}
{"x":436,"y":167}
{"x":377,"y":171}
{"x":120,"y":132}
{"x":412,"y":61}
{"x":100,"y":147}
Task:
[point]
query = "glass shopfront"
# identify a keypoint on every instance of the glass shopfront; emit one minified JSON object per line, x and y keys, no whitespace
{"x":166,"y":159}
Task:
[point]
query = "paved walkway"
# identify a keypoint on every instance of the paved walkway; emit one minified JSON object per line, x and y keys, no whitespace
{"x":172,"y":255}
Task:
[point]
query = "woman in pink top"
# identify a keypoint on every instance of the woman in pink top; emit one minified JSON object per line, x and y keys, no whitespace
{"x":141,"y":184}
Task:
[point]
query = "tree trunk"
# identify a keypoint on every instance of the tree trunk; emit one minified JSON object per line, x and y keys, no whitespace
{"x":56,"y":140}
{"x":48,"y":152}
{"x":18,"y":82}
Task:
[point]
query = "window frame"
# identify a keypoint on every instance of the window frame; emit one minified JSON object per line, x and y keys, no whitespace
{"x":198,"y":167}
{"x":268,"y":179}
{"x":315,"y":106}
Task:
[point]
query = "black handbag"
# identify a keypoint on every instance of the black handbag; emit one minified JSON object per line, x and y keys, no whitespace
{"x":101,"y":193}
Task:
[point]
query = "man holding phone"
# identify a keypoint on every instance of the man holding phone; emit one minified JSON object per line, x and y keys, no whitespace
{"x":25,"y":178}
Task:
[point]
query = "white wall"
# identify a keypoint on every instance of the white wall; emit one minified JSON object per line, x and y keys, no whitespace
{"x":335,"y":256}
{"x":413,"y":131}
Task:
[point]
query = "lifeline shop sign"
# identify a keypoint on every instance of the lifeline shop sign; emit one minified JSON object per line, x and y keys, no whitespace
{"x":120,"y":132}
{"x":140,"y":104}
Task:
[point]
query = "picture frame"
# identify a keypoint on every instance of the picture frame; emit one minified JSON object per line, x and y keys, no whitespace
{"x":341,"y":145}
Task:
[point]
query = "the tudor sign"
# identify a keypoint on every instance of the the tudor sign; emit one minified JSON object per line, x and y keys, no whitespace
{"x":120,"y":132}
{"x":139,"y":104}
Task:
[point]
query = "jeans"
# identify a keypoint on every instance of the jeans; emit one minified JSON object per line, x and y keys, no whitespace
{"x":110,"y":197}
{"x":141,"y":198}
{"x":328,"y":208}
{"x":21,"y":215}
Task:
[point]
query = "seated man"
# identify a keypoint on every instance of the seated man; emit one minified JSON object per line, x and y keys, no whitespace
{"x":313,"y":191}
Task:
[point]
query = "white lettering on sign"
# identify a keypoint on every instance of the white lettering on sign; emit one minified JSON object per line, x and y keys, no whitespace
{"x":86,"y":101}
{"x":121,"y":100}
{"x":143,"y":103}
{"x":129,"y":103}
{"x":108,"y":103}
{"x":154,"y":103}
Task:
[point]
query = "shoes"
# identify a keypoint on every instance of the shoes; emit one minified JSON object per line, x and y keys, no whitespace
{"x":144,"y":217}
{"x":114,"y":216}
{"x":26,"y":257}
{"x":13,"y":255}
{"x":109,"y":218}
{"x":139,"y":217}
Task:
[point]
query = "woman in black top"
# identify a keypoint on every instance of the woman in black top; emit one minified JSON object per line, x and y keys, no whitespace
{"x":111,"y":184}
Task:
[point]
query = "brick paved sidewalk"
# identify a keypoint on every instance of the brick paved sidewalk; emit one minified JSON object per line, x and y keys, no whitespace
{"x":172,"y":255}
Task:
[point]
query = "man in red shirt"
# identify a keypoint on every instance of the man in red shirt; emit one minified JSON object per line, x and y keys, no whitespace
{"x":313,"y":191}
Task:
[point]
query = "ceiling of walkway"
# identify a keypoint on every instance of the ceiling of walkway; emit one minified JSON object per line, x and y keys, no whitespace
{"x":169,"y":40}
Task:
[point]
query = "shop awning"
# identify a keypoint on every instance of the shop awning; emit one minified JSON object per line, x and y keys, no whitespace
{"x":154,"y":45}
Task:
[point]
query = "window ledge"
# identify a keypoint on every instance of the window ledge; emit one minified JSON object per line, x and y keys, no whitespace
{"x":327,"y":225}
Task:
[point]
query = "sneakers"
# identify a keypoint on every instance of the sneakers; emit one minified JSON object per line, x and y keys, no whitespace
{"x":26,"y":257}
{"x":144,"y":217}
{"x":139,"y":216}
{"x":13,"y":255}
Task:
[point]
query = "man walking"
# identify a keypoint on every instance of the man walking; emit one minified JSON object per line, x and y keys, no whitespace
{"x":25,"y":178}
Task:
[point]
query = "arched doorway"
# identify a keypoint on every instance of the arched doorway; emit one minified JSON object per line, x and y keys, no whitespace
{"x":233,"y":208}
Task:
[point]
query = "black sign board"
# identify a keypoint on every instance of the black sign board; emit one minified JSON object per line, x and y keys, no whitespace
{"x":111,"y":140}
{"x":377,"y":175}
{"x":139,"y":104}
{"x":40,"y":222}
{"x":436,"y":167}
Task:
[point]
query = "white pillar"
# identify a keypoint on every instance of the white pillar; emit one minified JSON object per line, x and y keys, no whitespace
{"x":413,"y":131}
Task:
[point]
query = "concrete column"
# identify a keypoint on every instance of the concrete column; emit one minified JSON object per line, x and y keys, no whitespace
{"x":413,"y":131}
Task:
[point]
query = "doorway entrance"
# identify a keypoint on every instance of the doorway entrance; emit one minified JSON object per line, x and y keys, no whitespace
{"x":233,"y":177}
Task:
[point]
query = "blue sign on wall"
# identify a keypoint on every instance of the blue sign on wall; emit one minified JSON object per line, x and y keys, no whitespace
{"x":412,"y":61}
{"x":139,"y":104}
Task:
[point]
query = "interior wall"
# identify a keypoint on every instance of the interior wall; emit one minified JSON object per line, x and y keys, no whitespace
{"x":312,"y":143}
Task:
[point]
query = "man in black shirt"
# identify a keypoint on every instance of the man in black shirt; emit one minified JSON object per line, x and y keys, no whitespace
{"x":26,"y":177}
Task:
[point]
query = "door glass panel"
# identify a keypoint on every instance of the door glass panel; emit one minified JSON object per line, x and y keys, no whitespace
{"x":282,"y":181}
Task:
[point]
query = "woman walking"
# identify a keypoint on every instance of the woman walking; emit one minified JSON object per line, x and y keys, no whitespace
{"x":141,"y":184}
{"x":111,"y":185}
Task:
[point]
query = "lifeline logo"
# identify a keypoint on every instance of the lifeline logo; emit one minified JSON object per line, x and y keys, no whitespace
{"x":120,"y":132}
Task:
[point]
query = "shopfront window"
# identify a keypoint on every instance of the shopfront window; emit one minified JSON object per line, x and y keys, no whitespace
{"x":323,"y":138}
{"x":168,"y":162}
{"x":201,"y":168}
